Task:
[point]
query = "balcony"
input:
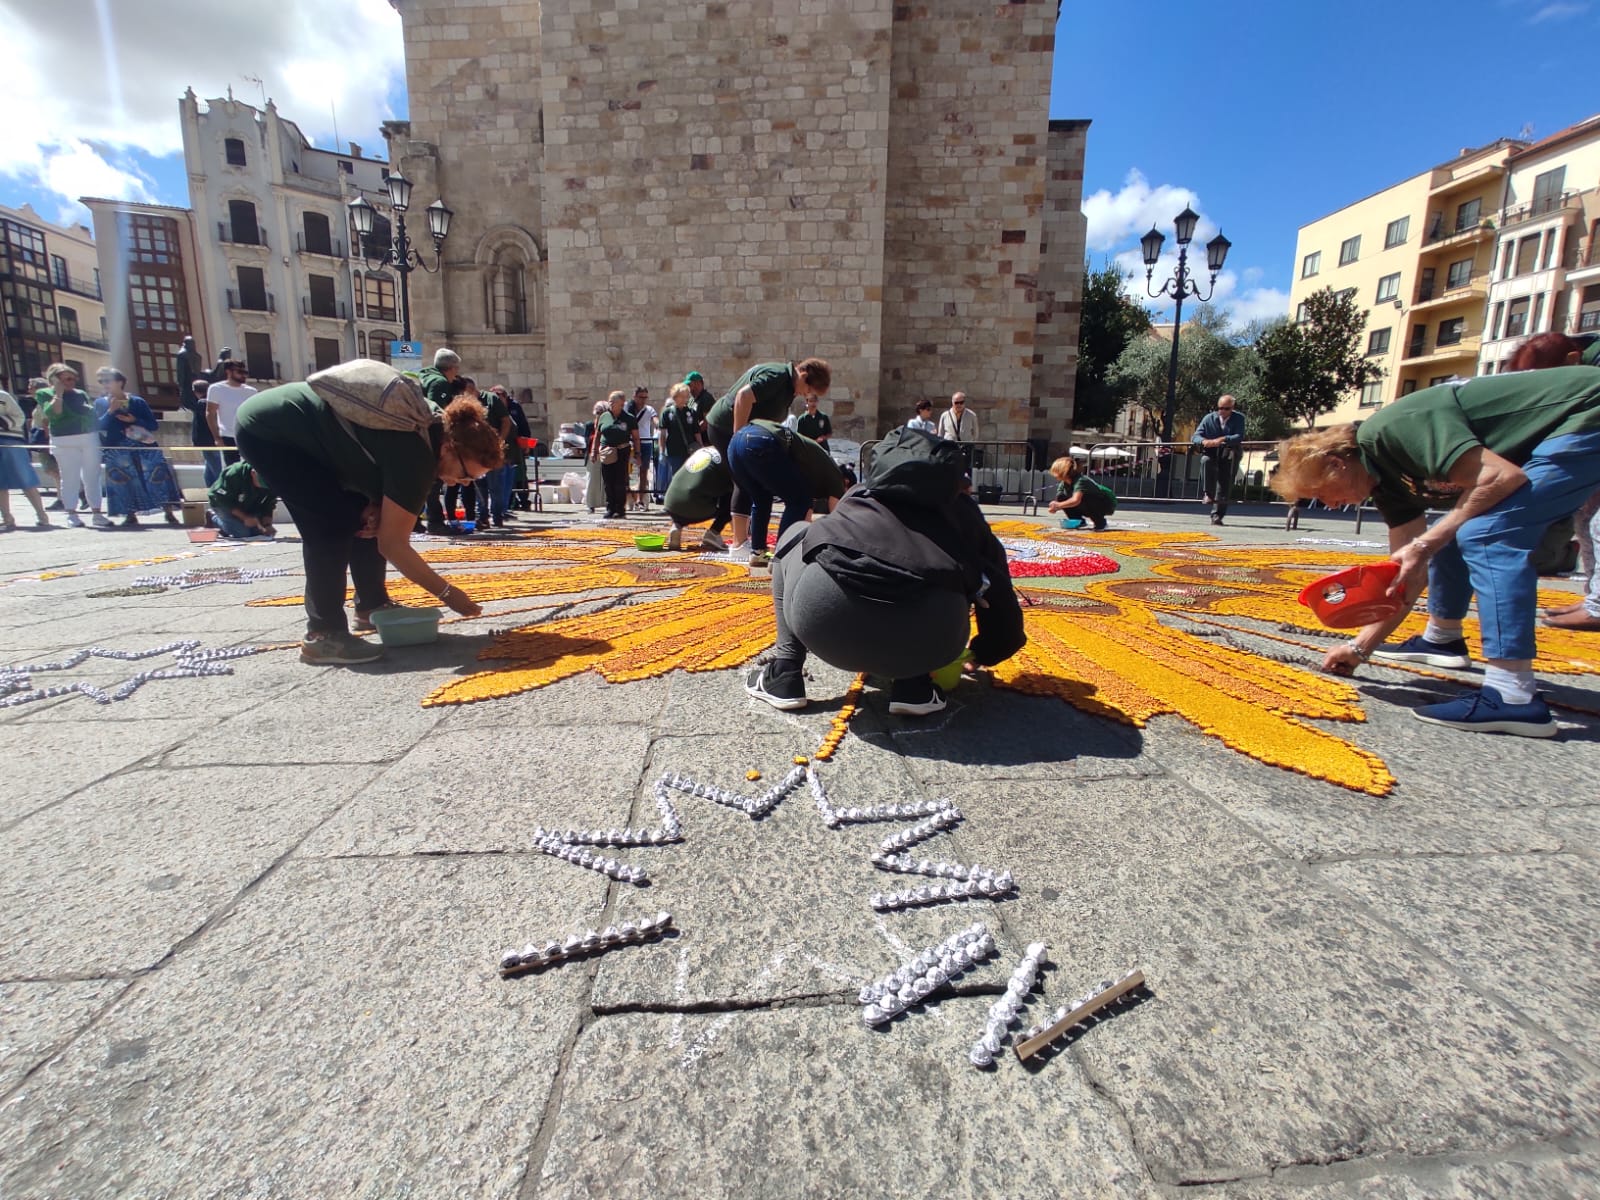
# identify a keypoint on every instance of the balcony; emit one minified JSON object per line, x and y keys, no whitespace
{"x":1442,"y":236}
{"x":1589,"y":322}
{"x":386,"y":316}
{"x":1474,"y":178}
{"x":262,"y":302}
{"x":1467,"y":347}
{"x":1587,"y":268}
{"x":1533,"y":210}
{"x":225,"y":234}
{"x":75,"y":336}
{"x":332,"y":310}
{"x":64,"y":282}
{"x":1475,"y":290}
{"x":324,"y":247}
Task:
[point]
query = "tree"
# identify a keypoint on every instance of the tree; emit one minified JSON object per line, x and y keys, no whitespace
{"x":1211,"y":361}
{"x":1109,"y":322}
{"x":1307,"y":368}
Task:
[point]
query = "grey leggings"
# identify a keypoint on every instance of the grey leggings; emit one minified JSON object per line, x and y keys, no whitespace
{"x":853,"y":633}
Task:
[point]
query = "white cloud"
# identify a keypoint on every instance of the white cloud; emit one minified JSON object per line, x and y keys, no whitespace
{"x":1559,"y":11}
{"x":1233,"y":291}
{"x":1114,"y":218}
{"x":88,"y":80}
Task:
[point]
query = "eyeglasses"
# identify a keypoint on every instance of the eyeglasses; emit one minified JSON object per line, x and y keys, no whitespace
{"x":958,"y":404}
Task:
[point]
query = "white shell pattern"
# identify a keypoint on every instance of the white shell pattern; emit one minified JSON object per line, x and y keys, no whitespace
{"x":588,"y":942}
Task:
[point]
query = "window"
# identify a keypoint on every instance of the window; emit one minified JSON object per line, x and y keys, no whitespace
{"x":153,"y":303}
{"x":1310,"y":265}
{"x":507,"y":292}
{"x":378,"y":344}
{"x":97,"y":292}
{"x":328,"y":351}
{"x":1494,"y":321}
{"x":1467,"y":215}
{"x":1452,"y":331}
{"x":1346,"y":294}
{"x":1300,"y":313}
{"x":1517,"y":317}
{"x":155,"y":361}
{"x":1507,"y":256}
{"x":317,"y":237}
{"x":361,"y":345}
{"x":233,"y":151}
{"x":258,"y":356}
{"x":25,"y":249}
{"x":58,"y":271}
{"x":151,"y":240}
{"x":1372,"y":394}
{"x":253,"y":290}
{"x":1547,"y":191}
{"x":1395,"y":235}
{"x":1388,"y":288}
{"x":322,"y":299}
{"x":242,"y":227}
{"x":1407,"y":386}
{"x":1438,"y":379}
{"x":69,"y":323}
{"x":1378,"y":341}
{"x":379,"y":293}
{"x":1349,"y":250}
{"x":1527,"y":255}
{"x":347,"y":168}
{"x":1459,"y":275}
{"x":1419,"y":341}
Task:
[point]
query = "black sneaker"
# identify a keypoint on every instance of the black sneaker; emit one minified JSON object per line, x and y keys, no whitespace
{"x":916,"y":697}
{"x":780,"y":684}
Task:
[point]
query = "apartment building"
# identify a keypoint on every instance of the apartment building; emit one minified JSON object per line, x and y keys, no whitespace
{"x":1417,"y":258}
{"x":1546,"y":274}
{"x":149,"y":257}
{"x":282,"y":282}
{"x":50,"y":300}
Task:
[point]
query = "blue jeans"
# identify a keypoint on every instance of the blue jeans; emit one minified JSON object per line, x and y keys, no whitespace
{"x":213,"y":466}
{"x":491,"y":497}
{"x":764,"y":471}
{"x":1492,"y":553}
{"x":231,"y":526}
{"x":647,"y":456}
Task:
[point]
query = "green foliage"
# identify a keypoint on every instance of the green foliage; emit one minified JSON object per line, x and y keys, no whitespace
{"x":1212,"y":360}
{"x":1307,"y":369}
{"x":1109,"y":322}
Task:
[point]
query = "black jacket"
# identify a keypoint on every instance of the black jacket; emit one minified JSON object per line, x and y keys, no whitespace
{"x":890,"y":550}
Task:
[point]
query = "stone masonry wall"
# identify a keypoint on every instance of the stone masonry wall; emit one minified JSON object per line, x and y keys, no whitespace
{"x":1060,"y":291}
{"x":968,"y":119}
{"x":714,"y":192}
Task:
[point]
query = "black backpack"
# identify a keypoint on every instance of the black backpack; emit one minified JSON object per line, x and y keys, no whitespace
{"x":912,"y":466}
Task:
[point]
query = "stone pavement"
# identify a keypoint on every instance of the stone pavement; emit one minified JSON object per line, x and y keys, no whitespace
{"x":249,"y":928}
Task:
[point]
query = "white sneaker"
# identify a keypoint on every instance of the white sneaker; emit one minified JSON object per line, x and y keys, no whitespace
{"x":740,"y":553}
{"x":712,"y":543}
{"x":74,"y":520}
{"x":675,"y":538}
{"x":101,"y":521}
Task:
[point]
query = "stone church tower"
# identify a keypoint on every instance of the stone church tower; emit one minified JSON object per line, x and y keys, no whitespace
{"x":645,"y":187}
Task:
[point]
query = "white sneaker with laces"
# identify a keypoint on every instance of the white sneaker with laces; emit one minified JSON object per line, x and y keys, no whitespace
{"x":74,"y":520}
{"x":101,"y":521}
{"x":740,"y":553}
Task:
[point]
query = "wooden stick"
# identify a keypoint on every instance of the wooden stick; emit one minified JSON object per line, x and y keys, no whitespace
{"x":1134,"y":979}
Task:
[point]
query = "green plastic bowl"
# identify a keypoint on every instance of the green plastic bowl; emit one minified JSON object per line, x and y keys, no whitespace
{"x":407,"y":626}
{"x":948,"y":676}
{"x":650,"y":541}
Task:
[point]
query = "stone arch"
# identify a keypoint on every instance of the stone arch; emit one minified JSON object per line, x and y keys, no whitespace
{"x":510,"y":266}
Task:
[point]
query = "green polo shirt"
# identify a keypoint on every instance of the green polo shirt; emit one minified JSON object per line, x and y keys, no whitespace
{"x":1410,"y":446}
{"x":814,"y":427}
{"x":234,"y":489}
{"x":773,"y":385}
{"x":678,"y":427}
{"x":76,"y":415}
{"x":390,"y":464}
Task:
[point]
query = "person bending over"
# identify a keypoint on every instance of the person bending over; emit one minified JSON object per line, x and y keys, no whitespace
{"x":887,"y":582}
{"x":1081,"y":496}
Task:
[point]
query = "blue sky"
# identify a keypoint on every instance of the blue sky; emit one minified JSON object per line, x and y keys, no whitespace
{"x":1263,"y":115}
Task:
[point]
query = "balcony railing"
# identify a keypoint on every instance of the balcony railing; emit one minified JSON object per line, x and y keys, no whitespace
{"x":323,"y":246}
{"x":64,"y":282}
{"x":387,"y":315}
{"x":78,"y":338}
{"x":1588,"y":322}
{"x":225,"y":234}
{"x":1462,"y":289}
{"x":1441,"y":231}
{"x":1455,"y":348}
{"x":265,"y":302}
{"x":332,"y":309}
{"x":1542,"y":206}
{"x":256,"y":368}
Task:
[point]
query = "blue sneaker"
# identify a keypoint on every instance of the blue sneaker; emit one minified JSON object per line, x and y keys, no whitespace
{"x":1485,"y":712}
{"x":1432,"y":654}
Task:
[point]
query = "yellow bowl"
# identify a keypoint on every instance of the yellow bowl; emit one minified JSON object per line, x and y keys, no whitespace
{"x":947,"y":677}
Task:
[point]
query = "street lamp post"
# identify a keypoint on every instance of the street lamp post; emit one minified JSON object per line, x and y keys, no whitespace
{"x":401,"y":255}
{"x":1179,"y":287}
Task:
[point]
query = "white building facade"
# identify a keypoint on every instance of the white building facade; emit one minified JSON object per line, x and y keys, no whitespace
{"x":281,"y":282}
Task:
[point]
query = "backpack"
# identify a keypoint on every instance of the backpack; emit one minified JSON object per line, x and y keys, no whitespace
{"x":915,"y":467}
{"x":374,"y":395}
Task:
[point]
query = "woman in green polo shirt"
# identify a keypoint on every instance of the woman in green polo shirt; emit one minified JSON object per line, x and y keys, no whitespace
{"x":74,"y":440}
{"x":765,"y":392}
{"x":1506,"y":455}
{"x":354,"y":493}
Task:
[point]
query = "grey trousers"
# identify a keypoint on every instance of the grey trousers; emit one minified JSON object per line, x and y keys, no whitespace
{"x":853,"y":633}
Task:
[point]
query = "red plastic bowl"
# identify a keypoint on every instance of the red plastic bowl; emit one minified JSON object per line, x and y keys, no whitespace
{"x":1355,"y":596}
{"x":528,"y":443}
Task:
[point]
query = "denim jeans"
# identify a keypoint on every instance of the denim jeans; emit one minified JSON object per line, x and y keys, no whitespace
{"x":1492,"y":553}
{"x":231,"y":526}
{"x":491,"y":495}
{"x":213,"y":470}
{"x":764,"y":471}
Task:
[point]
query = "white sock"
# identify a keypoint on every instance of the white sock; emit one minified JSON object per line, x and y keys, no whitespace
{"x":1441,"y":631}
{"x":1516,"y":685}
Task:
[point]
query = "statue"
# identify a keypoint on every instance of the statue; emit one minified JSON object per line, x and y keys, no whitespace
{"x":188,"y":366}
{"x":218,"y":375}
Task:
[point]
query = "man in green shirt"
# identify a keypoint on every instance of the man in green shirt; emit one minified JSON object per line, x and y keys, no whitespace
{"x":814,"y":424}
{"x":1506,"y":455}
{"x":240,"y":506}
{"x":764,"y":392}
{"x":439,"y":388}
{"x":705,"y":481}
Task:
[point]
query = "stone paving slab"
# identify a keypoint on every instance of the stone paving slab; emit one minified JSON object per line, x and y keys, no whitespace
{"x":462,"y":791}
{"x":1521,"y":928}
{"x":48,"y":760}
{"x":807,"y":1102}
{"x":37,"y":1019}
{"x":1567,"y":1177}
{"x":343,"y":1034}
{"x":128,"y":869}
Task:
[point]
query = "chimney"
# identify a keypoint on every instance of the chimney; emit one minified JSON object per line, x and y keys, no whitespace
{"x":355,"y":150}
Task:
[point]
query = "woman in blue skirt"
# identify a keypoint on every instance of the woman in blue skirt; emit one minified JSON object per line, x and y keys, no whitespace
{"x":16,"y":469}
{"x":138,"y":476}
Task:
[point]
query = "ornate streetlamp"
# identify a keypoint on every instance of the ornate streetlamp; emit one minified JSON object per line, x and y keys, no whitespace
{"x":401,"y":255}
{"x":1179,"y":287}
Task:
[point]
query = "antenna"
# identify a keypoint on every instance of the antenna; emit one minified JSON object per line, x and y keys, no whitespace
{"x":257,"y":81}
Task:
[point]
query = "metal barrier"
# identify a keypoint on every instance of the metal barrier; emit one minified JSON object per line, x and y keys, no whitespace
{"x":1001,"y":472}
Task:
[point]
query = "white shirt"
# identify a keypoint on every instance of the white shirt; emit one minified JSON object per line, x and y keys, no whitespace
{"x":969,"y":425}
{"x":922,"y":423}
{"x":228,"y":398}
{"x":646,"y":417}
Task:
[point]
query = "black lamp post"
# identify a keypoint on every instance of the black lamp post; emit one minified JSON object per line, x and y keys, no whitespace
{"x":1179,"y":287}
{"x":401,"y":255}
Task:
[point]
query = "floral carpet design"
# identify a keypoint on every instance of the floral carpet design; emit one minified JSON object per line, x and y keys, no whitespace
{"x":1125,"y":625}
